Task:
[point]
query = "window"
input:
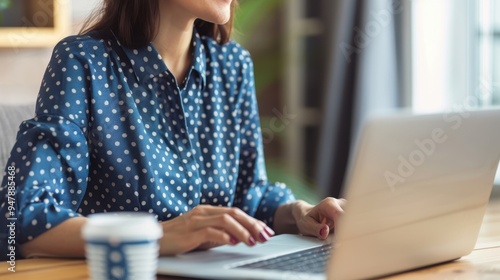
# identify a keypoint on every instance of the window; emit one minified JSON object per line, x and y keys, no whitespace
{"x":455,"y":55}
{"x":489,"y":49}
{"x":489,"y":53}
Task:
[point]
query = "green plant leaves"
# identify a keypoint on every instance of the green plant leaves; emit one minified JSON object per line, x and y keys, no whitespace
{"x":5,"y":4}
{"x":250,"y":13}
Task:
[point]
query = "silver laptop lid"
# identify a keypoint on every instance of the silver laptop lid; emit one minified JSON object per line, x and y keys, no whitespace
{"x":417,"y":191}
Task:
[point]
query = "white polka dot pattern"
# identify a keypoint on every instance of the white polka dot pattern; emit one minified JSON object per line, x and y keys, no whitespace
{"x":114,"y":131}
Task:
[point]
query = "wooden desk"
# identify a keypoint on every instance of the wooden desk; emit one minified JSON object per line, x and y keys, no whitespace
{"x":482,"y":263}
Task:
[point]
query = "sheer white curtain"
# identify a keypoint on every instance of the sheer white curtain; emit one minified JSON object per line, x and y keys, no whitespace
{"x":425,"y":54}
{"x":453,"y":55}
{"x":443,"y":59}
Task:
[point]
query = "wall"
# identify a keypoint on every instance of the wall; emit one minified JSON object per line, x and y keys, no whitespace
{"x":21,"y":70}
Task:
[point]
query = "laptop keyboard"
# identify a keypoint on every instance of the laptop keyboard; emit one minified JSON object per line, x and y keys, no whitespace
{"x":312,"y":260}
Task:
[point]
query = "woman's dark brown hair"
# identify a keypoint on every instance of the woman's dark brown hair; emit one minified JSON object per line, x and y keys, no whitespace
{"x":135,"y":22}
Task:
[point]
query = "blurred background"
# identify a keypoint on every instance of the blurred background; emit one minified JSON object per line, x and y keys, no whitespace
{"x":320,"y":65}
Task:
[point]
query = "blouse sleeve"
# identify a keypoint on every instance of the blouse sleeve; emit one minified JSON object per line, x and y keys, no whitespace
{"x":254,"y":193}
{"x":50,"y":159}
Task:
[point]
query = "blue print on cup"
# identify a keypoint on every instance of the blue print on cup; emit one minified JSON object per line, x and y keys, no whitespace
{"x":122,"y":245}
{"x":117,"y":259}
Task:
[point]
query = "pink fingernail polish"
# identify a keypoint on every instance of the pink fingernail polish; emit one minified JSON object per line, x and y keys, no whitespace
{"x":263,"y":236}
{"x":323,"y":232}
{"x":233,"y":241}
{"x":269,"y":231}
{"x":251,"y":241}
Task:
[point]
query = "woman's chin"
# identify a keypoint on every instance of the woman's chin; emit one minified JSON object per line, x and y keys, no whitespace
{"x":219,"y":18}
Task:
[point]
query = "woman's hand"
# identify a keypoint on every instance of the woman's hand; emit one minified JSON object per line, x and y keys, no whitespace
{"x":208,"y":226}
{"x":312,"y":220}
{"x":321,"y":219}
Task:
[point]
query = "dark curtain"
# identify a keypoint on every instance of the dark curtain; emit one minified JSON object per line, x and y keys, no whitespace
{"x":364,"y":41}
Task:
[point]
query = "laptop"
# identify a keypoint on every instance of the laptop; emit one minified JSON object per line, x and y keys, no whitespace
{"x":417,"y":189}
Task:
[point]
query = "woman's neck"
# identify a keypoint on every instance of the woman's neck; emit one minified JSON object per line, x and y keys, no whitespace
{"x":173,"y":41}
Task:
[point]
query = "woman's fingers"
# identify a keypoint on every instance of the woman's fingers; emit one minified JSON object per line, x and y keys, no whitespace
{"x":342,"y":202}
{"x":180,"y":238}
{"x":208,"y":226}
{"x":228,"y":224}
{"x":213,"y":236}
{"x":331,"y":208}
{"x":320,"y":220}
{"x":269,"y":231}
{"x":259,"y":232}
{"x":257,"y":229}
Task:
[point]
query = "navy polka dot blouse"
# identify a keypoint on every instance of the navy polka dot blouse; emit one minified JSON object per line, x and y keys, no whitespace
{"x":115,"y":131}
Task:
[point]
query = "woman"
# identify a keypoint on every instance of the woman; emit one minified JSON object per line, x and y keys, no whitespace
{"x":152,"y":109}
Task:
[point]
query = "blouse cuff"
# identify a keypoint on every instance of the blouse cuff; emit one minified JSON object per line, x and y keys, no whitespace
{"x":276,"y":195}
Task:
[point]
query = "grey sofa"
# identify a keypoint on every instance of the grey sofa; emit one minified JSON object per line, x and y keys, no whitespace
{"x":11,"y":117}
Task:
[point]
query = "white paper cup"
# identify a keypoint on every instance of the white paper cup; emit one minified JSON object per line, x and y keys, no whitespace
{"x":122,"y":245}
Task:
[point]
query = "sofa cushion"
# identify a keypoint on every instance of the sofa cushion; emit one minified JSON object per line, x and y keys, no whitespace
{"x":11,"y":116}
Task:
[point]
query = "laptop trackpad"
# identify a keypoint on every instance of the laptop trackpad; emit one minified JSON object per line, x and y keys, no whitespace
{"x":275,"y":246}
{"x":214,"y":255}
